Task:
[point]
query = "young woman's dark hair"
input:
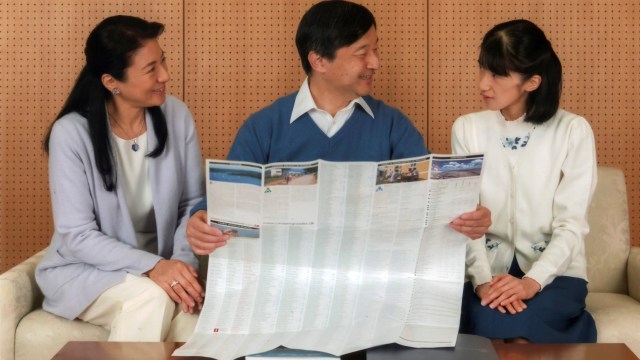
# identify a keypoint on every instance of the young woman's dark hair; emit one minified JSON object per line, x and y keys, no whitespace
{"x":520,"y":46}
{"x":108,"y":50}
{"x":329,"y":25}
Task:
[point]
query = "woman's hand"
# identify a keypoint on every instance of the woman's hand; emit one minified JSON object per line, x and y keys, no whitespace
{"x":473,"y":224}
{"x":180,"y":282}
{"x":507,"y":293}
{"x":204,"y":239}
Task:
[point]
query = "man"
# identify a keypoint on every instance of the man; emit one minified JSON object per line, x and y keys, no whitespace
{"x":332,"y":116}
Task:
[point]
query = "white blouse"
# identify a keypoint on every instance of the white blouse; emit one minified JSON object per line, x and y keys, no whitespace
{"x":133,"y":179}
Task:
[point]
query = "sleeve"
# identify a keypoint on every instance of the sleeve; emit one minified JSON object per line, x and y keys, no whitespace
{"x":406,"y":140}
{"x":459,"y":143}
{"x":191,"y":193}
{"x":252,"y":141}
{"x":571,"y":202}
{"x":200,"y":205}
{"x":74,"y":209}
{"x":478,"y":270}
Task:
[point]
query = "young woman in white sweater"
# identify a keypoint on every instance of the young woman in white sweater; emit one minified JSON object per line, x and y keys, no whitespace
{"x":528,"y":279}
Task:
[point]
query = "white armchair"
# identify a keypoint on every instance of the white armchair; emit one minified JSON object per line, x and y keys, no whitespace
{"x":28,"y":332}
{"x":613,"y":265}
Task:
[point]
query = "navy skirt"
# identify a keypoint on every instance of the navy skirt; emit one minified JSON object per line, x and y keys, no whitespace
{"x":555,"y":315}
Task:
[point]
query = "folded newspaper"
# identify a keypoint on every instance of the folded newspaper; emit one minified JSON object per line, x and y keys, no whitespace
{"x":335,"y":256}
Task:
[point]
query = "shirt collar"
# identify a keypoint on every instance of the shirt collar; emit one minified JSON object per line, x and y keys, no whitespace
{"x":304,"y":103}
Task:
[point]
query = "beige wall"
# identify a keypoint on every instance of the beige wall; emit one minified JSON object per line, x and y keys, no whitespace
{"x":229,"y":58}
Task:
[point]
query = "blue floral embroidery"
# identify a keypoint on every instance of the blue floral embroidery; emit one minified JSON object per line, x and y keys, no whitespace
{"x":517,"y":142}
{"x":514,"y":143}
{"x":491,"y":244}
{"x":540,"y":247}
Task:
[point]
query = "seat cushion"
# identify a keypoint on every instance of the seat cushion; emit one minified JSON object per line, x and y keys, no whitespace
{"x":617,"y":317}
{"x":40,"y":334}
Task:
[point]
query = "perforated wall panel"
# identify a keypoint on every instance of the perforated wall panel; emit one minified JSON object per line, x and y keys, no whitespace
{"x":241,"y":56}
{"x":41,"y":53}
{"x":228,"y":59}
{"x":598,"y":43}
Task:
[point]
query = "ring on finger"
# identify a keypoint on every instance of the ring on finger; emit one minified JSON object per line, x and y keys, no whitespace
{"x":174,"y":283}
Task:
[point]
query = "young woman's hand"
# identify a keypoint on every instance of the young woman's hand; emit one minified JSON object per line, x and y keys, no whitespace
{"x":513,"y":308}
{"x":507,"y":293}
{"x":473,"y":224}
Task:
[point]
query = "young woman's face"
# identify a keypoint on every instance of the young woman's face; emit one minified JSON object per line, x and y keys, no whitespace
{"x":505,"y":93}
{"x":145,"y":80}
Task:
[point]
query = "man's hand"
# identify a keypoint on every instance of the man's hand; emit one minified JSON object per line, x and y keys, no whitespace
{"x":204,"y":239}
{"x":473,"y":224}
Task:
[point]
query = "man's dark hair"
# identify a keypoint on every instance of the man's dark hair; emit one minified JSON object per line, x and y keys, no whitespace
{"x":329,"y":25}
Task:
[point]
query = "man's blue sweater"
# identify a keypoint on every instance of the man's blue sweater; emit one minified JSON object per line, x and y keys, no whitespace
{"x":268,"y":136}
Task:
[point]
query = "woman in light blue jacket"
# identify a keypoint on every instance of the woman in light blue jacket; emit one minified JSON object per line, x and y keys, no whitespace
{"x":124,"y":168}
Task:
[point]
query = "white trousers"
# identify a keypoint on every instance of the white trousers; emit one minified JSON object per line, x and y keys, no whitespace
{"x":139,"y":310}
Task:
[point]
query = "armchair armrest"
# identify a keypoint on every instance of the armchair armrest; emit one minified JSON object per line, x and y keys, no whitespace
{"x":20,"y":295}
{"x":633,"y":272}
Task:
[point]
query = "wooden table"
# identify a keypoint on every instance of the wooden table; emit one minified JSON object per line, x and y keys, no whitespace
{"x":94,"y":350}
{"x":563,"y":351}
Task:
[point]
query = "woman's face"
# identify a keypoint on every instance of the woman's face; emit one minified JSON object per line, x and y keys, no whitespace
{"x":145,"y":78}
{"x":505,"y":93}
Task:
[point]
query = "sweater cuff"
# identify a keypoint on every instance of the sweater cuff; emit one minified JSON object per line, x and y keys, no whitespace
{"x":541,"y":275}
{"x":480,"y":279}
{"x":147,"y":262}
{"x":201,"y":205}
{"x":188,"y":258}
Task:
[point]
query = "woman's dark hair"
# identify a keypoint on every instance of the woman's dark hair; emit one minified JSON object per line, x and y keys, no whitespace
{"x":329,"y":25}
{"x":520,"y":46}
{"x":109,"y":49}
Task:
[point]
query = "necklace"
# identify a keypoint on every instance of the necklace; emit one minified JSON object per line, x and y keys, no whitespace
{"x":134,"y":139}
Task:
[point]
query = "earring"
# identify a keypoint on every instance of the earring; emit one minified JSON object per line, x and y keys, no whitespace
{"x":115,"y":91}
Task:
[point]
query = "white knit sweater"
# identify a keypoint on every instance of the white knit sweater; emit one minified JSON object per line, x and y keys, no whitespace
{"x":538,"y":198}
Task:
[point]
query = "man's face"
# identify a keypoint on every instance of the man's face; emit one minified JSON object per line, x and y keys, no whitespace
{"x":350,"y":73}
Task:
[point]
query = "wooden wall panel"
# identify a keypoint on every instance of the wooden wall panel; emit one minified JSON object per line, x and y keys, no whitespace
{"x":230,"y":58}
{"x":241,"y":56}
{"x":598,"y":43}
{"x":41,"y":53}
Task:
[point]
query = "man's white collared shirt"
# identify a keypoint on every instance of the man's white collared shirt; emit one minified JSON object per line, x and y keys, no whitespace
{"x":330,"y":125}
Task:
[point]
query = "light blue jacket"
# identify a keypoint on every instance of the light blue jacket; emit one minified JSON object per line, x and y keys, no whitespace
{"x":94,"y":243}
